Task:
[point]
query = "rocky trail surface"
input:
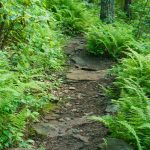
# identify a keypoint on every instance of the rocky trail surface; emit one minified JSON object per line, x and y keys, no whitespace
{"x":80,"y":96}
{"x":67,"y":128}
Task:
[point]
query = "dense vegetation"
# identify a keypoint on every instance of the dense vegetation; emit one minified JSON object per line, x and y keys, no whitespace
{"x":30,"y":53}
{"x":32,"y":34}
{"x":131,"y":40}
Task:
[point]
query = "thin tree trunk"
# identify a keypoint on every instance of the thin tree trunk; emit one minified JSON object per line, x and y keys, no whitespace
{"x":107,"y":11}
{"x":2,"y":24}
{"x":127,"y":7}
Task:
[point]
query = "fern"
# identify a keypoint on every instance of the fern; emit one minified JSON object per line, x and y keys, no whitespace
{"x":132,"y":122}
{"x":132,"y":131}
{"x":109,"y":39}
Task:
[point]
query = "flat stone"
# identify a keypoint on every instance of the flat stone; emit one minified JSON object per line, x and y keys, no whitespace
{"x":116,"y":144}
{"x":82,"y":138}
{"x":67,"y":118}
{"x":79,"y":96}
{"x":72,"y":88}
{"x":74,"y":110}
{"x":51,"y":116}
{"x":68,"y":104}
{"x":89,"y":114}
{"x":61,"y":120}
{"x":55,"y":128}
{"x":111,"y":108}
{"x":89,"y":62}
{"x":66,"y":91}
{"x":86,"y":62}
{"x":75,"y":74}
{"x":45,"y":128}
{"x":72,"y":98}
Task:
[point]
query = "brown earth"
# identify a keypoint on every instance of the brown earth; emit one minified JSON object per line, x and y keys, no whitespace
{"x":80,"y":96}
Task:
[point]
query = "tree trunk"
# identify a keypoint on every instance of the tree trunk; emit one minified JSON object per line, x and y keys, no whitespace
{"x":107,"y":11}
{"x":127,"y":7}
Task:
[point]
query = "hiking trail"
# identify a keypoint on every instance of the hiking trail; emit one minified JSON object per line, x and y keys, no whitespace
{"x":67,"y":128}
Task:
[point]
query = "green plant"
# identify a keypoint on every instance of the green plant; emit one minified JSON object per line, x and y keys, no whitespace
{"x":71,"y":19}
{"x":31,"y":50}
{"x":110,"y":40}
{"x":141,"y":18}
{"x":132,"y":122}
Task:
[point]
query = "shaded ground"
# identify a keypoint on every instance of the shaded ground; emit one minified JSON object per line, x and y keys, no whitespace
{"x":67,"y":128}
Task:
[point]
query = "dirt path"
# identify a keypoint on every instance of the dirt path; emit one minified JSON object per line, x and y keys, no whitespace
{"x":67,"y":128}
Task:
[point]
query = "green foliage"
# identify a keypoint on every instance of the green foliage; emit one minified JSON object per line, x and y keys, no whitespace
{"x":31,"y":50}
{"x":132,"y":122}
{"x":109,"y":39}
{"x":20,"y":101}
{"x":141,"y":18}
{"x":31,"y":43}
{"x":36,"y":39}
{"x":73,"y":16}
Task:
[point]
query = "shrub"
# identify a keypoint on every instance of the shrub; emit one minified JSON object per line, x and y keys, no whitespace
{"x":109,"y":39}
{"x":132,"y":122}
{"x":72,"y":19}
{"x":30,"y":51}
{"x":30,"y":31}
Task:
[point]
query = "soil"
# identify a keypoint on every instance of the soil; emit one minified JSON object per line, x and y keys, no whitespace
{"x":69,"y":127}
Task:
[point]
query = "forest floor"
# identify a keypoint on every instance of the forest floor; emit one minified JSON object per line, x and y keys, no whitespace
{"x":81,"y":95}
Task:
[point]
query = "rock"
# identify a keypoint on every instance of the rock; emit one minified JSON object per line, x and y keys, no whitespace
{"x":82,"y":138}
{"x":80,"y":75}
{"x":77,"y":103}
{"x":45,"y":128}
{"x":57,"y":112}
{"x":51,"y":117}
{"x":87,"y":62}
{"x":45,"y":121}
{"x":74,"y":110}
{"x":88,"y":114}
{"x":95,"y":96}
{"x":80,"y":47}
{"x":66,"y":91}
{"x":115,"y":144}
{"x":61,"y":120}
{"x":74,"y":131}
{"x":55,"y":100}
{"x":72,"y":88}
{"x":61,"y":127}
{"x":111,"y":108}
{"x":72,"y":98}
{"x":79,"y":96}
{"x":67,"y":118}
{"x":68,"y":105}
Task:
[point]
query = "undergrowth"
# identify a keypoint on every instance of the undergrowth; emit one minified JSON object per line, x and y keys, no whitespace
{"x":31,"y":51}
{"x":132,"y":121}
{"x":72,"y":16}
{"x":109,"y":39}
{"x":32,"y":34}
{"x":128,"y":40}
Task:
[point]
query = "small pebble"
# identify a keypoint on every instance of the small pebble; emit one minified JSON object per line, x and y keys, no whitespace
{"x":67,"y":119}
{"x":68,"y":105}
{"x":61,"y":120}
{"x":74,"y":110}
{"x":72,"y":88}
